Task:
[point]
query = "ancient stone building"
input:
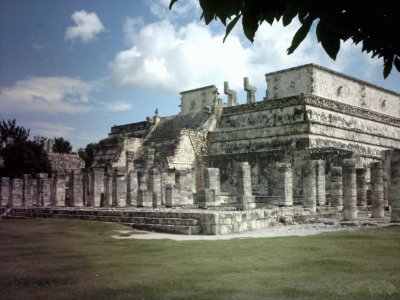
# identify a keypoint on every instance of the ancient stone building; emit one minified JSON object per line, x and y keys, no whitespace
{"x":320,"y":142}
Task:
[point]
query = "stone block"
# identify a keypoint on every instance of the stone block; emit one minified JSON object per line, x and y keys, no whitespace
{"x":349,"y":190}
{"x":27,"y":190}
{"x":377,"y":208}
{"x":15,"y":192}
{"x":4,"y":191}
{"x":145,"y":198}
{"x":132,"y":188}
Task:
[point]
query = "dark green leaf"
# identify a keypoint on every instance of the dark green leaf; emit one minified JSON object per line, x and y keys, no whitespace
{"x":288,"y":15}
{"x":172,"y":3}
{"x":300,"y":34}
{"x":250,"y":26}
{"x":209,"y":9}
{"x":397,"y":63}
{"x":329,"y":39}
{"x":387,"y":66}
{"x":230,"y":26}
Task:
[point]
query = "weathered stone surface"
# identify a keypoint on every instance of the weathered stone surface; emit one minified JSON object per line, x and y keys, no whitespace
{"x":394,"y":188}
{"x":16,"y":192}
{"x":245,"y":199}
{"x":377,"y":208}
{"x":320,"y":182}
{"x":132,"y":188}
{"x":155,"y":186}
{"x":349,"y":190}
{"x":336,"y":187}
{"x":309,"y":186}
{"x":285,"y":182}
{"x":96,"y":187}
{"x":4,"y":191}
{"x":119,"y":189}
{"x":361,"y":183}
{"x":76,"y":189}
{"x":58,"y":190}
{"x":27,"y":190}
{"x":145,"y":198}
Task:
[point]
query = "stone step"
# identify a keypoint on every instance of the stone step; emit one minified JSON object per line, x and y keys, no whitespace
{"x":179,"y":229}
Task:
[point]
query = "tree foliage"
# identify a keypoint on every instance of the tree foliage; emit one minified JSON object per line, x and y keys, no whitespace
{"x":24,"y":157}
{"x":9,"y":129}
{"x":87,"y":154}
{"x":61,"y":146}
{"x":374,"y":26}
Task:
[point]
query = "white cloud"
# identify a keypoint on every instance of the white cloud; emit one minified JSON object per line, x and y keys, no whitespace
{"x":118,"y":106}
{"x":87,"y":26}
{"x":49,"y":129}
{"x":166,"y":57}
{"x":47,"y":94}
{"x":160,"y":8}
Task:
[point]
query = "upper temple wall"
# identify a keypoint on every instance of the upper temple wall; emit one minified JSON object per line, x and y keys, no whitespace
{"x":197,"y":99}
{"x":316,"y":80}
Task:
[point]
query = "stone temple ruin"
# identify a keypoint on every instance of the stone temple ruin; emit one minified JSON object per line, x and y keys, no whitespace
{"x":320,"y":143}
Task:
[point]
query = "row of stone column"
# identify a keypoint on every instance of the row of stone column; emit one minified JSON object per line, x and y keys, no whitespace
{"x":348,"y":187}
{"x":28,"y":191}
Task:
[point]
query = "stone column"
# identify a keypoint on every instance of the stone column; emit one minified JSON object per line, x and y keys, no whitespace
{"x":59,"y":183}
{"x":336,"y":185}
{"x":394,"y":187}
{"x":361,"y":183}
{"x":4,"y":191}
{"x":349,"y":190}
{"x":76,"y":189}
{"x":15,"y":192}
{"x":245,"y":199}
{"x":309,"y":186}
{"x":108,"y":184}
{"x":27,"y":190}
{"x":169,"y":195}
{"x":132,"y":188}
{"x":96,"y":186}
{"x":377,"y":209}
{"x":119,"y":188}
{"x":320,"y":182}
{"x":210,"y":194}
{"x":35,"y":192}
{"x":155,"y":186}
{"x":385,"y":190}
{"x":285,"y":182}
{"x":43,"y":190}
{"x":145,"y":198}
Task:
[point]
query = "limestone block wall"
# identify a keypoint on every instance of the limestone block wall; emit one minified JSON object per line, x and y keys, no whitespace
{"x":319,"y":81}
{"x":196,"y":99}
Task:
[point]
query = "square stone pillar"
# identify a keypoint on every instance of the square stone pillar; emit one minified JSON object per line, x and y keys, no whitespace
{"x":309,"y":186}
{"x":145,"y":198}
{"x":119,"y":190}
{"x":59,"y":183}
{"x":394,"y":186}
{"x":27,"y":190}
{"x":132,"y":188}
{"x":43,"y":190}
{"x":210,"y":194}
{"x":96,"y":186}
{"x":377,"y":209}
{"x":15,"y":192}
{"x":108,"y":187}
{"x":35,"y":192}
{"x":285,"y":184}
{"x":320,"y":182}
{"x":76,"y":189}
{"x":361,"y":183}
{"x":336,"y":187}
{"x":155,"y":186}
{"x":4,"y":191}
{"x":245,"y":198}
{"x":349,"y":190}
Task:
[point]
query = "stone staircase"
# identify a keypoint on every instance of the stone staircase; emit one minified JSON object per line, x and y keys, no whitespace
{"x":161,"y":221}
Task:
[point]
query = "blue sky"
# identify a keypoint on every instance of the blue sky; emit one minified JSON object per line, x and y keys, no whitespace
{"x":74,"y":68}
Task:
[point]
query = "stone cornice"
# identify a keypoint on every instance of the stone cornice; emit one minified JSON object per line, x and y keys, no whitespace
{"x":312,"y":100}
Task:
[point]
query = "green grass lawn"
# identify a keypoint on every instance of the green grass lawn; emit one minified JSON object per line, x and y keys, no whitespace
{"x":70,"y":259}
